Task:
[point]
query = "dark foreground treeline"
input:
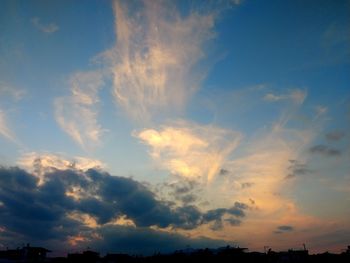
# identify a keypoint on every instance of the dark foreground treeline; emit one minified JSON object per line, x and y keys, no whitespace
{"x":226,"y":254}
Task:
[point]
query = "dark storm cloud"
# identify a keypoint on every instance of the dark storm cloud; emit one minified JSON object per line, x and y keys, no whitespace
{"x":233,"y":221}
{"x":184,"y":187}
{"x":335,"y":135}
{"x":224,"y":172}
{"x":133,"y":240}
{"x":284,"y":229}
{"x":324,"y":150}
{"x":297,"y":169}
{"x":216,"y":225}
{"x":216,"y":215}
{"x":184,"y":191}
{"x":187,"y":199}
{"x":31,"y":211}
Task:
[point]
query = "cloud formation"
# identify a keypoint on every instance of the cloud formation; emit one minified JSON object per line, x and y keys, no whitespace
{"x":74,"y":207}
{"x":297,"y":169}
{"x":45,"y":28}
{"x":237,"y":2}
{"x":297,"y":96}
{"x":148,"y":241}
{"x":8,"y":96}
{"x":193,"y":151}
{"x":284,"y":229}
{"x":181,"y":190}
{"x":155,"y":60}
{"x":324,"y":150}
{"x":39,"y":164}
{"x":335,"y":135}
{"x":263,"y":163}
{"x":77,"y":113}
{"x":5,"y":129}
{"x":12,"y":92}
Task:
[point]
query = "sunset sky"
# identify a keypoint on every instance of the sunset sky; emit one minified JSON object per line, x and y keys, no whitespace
{"x":143,"y":126}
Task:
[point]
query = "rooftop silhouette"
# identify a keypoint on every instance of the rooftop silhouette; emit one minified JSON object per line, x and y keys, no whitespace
{"x":222,"y":254}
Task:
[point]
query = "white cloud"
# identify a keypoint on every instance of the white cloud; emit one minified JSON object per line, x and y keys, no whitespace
{"x":12,"y":92}
{"x":45,"y":28}
{"x":77,"y":113}
{"x":320,"y":110}
{"x":8,"y":95}
{"x":190,"y":150}
{"x":155,"y":57}
{"x":237,"y":2}
{"x":41,"y":163}
{"x":297,"y":96}
{"x":4,"y":128}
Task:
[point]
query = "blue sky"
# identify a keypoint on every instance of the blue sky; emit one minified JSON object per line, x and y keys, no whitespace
{"x":233,"y":101}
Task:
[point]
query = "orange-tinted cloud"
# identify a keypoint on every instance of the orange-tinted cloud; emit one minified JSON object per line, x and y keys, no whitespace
{"x":193,"y":151}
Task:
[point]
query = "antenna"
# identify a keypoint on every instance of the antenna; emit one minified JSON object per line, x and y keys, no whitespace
{"x":265,"y":249}
{"x":304,"y":246}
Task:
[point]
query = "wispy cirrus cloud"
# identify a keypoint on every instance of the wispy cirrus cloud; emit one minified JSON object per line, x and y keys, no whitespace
{"x":77,"y":113}
{"x":5,"y":129}
{"x":296,"y":95}
{"x":9,"y":95}
{"x":256,"y":174}
{"x":14,"y":93}
{"x":155,"y":60}
{"x":320,"y":110}
{"x":154,"y":67}
{"x":45,"y":28}
{"x":190,"y":150}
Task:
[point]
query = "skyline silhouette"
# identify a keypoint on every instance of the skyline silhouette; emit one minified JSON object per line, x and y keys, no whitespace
{"x":222,"y":254}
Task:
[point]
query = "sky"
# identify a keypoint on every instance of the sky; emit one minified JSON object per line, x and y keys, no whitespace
{"x":146,"y":126}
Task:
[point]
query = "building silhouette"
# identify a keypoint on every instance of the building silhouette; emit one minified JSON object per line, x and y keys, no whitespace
{"x":226,"y":254}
